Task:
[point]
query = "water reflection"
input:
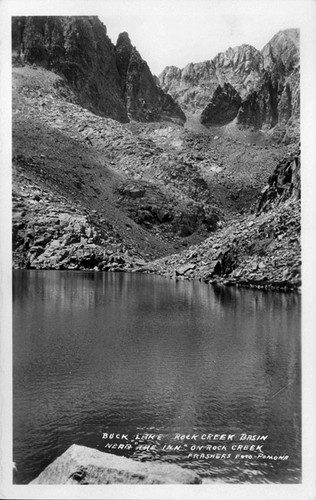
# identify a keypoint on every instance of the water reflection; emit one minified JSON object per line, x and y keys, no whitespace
{"x":120,"y":351}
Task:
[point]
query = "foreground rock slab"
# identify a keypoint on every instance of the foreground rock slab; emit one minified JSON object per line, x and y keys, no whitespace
{"x":82,"y":465}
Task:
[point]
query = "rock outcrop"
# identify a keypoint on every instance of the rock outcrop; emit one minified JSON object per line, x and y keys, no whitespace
{"x":82,"y":465}
{"x":267,"y":83}
{"x":144,"y":100}
{"x":276,"y":101}
{"x":49,"y":232}
{"x":284,"y":184}
{"x":110,"y":81}
{"x":261,"y":250}
{"x":193,"y":86}
{"x":223,"y":107}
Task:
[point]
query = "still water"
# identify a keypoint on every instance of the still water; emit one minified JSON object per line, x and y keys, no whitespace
{"x":97,"y":353}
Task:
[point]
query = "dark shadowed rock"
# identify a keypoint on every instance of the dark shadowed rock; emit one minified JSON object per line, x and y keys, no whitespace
{"x":123,"y":51}
{"x":283,"y":184}
{"x":144,"y":100}
{"x":223,"y":107}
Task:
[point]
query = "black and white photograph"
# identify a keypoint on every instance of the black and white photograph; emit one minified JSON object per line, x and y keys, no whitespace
{"x":157,"y":259}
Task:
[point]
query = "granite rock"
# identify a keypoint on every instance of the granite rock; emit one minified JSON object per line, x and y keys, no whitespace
{"x":268,"y":82}
{"x":82,"y":465}
{"x":223,"y":107}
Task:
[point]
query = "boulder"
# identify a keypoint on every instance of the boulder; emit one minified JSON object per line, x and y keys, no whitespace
{"x":82,"y":465}
{"x":134,"y":191}
{"x":184,"y":269}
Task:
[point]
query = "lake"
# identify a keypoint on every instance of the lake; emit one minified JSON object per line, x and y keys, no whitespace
{"x":197,"y":367}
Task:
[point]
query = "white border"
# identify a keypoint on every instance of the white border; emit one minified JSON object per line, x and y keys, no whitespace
{"x":307,"y":490}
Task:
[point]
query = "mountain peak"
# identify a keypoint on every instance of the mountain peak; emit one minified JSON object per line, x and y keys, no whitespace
{"x":283,"y":49}
{"x":290,"y":35}
{"x":101,"y":74}
{"x":123,"y":39}
{"x":267,"y":82}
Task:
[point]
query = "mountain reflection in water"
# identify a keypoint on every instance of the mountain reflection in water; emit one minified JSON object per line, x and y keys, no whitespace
{"x":96,"y":352}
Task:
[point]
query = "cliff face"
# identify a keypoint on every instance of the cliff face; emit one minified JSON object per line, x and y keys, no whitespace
{"x":144,"y":100}
{"x":223,"y":107}
{"x":267,"y":83}
{"x":284,"y":184}
{"x":193,"y":86}
{"x":110,"y":81}
{"x":276,"y":102}
{"x":80,"y":50}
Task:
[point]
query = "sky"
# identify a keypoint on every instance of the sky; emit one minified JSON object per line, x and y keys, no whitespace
{"x":177,"y":32}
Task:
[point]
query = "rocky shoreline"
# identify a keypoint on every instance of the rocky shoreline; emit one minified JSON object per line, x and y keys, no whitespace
{"x":252,"y":255}
{"x":260,"y":250}
{"x":50,"y":233}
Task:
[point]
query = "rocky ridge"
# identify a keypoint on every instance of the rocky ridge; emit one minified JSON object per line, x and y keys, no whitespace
{"x":144,"y":100}
{"x":275,"y":104}
{"x":112,"y":81}
{"x":194,"y":85}
{"x":267,"y":84}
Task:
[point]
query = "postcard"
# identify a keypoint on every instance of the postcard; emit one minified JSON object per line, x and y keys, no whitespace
{"x":158,"y":249}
